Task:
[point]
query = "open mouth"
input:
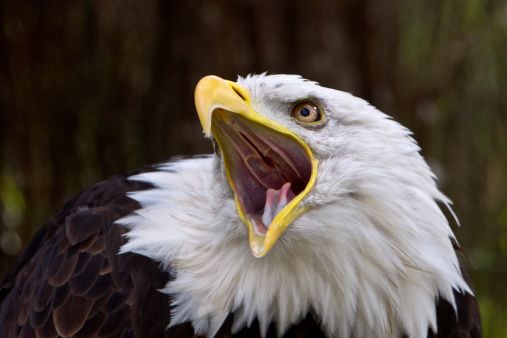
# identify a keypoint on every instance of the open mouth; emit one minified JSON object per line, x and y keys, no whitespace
{"x":266,"y":169}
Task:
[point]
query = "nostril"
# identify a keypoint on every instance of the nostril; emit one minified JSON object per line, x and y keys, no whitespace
{"x":239,"y":93}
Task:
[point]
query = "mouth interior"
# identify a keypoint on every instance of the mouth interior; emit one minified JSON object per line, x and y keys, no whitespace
{"x":267,"y":169}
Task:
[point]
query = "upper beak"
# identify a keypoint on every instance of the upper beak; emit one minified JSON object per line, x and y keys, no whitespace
{"x":214,"y":93}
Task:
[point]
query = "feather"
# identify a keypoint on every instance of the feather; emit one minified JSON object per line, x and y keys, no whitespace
{"x":71,"y":315}
{"x":92,"y":326}
{"x":82,"y":282}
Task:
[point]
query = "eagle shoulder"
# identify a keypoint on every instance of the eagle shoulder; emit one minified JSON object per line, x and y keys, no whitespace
{"x":70,"y":280}
{"x":465,"y":322}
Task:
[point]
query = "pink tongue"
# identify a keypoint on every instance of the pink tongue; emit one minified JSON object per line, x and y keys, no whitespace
{"x":275,"y":201}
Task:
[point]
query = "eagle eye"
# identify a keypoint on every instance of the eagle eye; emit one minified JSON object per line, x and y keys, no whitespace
{"x":307,"y":112}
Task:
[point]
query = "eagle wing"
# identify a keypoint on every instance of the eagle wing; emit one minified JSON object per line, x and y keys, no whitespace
{"x":70,"y":280}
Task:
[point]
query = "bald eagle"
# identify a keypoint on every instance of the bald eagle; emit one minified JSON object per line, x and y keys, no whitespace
{"x":315,"y":217}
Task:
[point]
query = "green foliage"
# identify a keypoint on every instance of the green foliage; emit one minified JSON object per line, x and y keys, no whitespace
{"x":12,"y":199}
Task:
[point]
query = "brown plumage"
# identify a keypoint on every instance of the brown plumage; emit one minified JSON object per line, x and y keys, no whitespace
{"x":70,"y":281}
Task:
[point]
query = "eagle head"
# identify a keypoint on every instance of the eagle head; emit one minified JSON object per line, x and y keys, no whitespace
{"x":340,"y":210}
{"x":288,"y":146}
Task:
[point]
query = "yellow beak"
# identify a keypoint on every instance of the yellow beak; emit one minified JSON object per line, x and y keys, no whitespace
{"x":214,"y":93}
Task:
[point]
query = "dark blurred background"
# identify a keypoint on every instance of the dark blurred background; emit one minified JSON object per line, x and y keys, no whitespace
{"x":93,"y":88}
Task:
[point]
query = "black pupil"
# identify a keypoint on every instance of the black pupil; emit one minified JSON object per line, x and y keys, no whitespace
{"x":305,"y":112}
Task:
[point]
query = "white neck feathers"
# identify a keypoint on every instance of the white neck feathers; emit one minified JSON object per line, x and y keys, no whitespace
{"x":370,"y":265}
